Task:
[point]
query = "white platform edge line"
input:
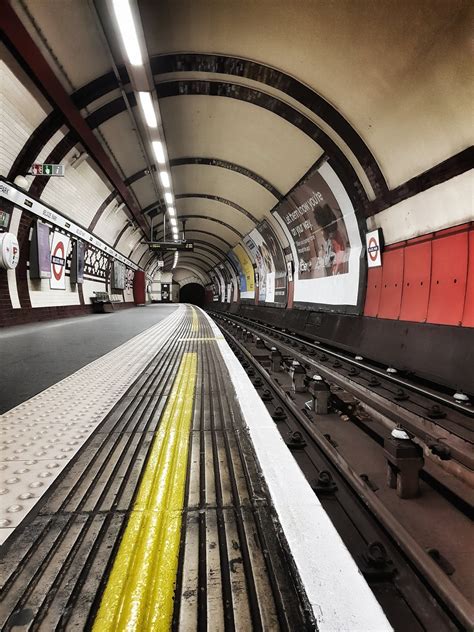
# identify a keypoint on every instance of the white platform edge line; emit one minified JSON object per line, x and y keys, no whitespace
{"x":340,"y":597}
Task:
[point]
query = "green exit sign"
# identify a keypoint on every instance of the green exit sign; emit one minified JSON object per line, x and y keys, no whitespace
{"x":47,"y":170}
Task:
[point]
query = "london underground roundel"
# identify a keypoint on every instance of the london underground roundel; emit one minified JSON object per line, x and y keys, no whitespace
{"x":59,"y":249}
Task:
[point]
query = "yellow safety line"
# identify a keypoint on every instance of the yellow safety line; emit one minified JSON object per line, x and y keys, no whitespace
{"x":195,"y":323}
{"x":139,"y":592}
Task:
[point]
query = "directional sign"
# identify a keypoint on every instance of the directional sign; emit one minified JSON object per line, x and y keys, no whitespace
{"x":47,"y":170}
{"x":170,"y":246}
{"x":374,"y":242}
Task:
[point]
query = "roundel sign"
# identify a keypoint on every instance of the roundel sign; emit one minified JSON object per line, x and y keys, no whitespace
{"x":9,"y":251}
{"x":59,"y":249}
{"x":372,"y":240}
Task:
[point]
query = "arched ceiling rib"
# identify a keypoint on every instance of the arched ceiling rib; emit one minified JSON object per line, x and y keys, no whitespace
{"x":212,"y":162}
{"x":192,"y":263}
{"x":193,"y":218}
{"x":204,"y":196}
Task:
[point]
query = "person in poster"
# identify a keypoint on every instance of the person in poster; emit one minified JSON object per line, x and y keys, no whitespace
{"x":276,"y":256}
{"x":317,"y":226}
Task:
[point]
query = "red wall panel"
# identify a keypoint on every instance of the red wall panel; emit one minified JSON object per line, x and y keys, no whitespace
{"x":392,"y":283}
{"x":468,"y":316}
{"x":374,"y":283}
{"x":448,"y":277}
{"x":416,"y":281}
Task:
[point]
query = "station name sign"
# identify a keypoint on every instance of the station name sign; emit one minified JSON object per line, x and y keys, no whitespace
{"x":47,"y":170}
{"x":170,"y":246}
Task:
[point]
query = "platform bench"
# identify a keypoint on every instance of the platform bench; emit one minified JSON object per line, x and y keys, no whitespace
{"x":103,"y":302}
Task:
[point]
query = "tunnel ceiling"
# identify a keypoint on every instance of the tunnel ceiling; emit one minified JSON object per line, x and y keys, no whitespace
{"x":252,"y":94}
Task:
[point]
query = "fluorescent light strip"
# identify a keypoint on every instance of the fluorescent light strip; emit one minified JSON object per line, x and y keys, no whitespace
{"x":171,"y":211}
{"x":168,"y":197}
{"x":124,"y":17}
{"x":148,"y":108}
{"x":165,"y":179}
{"x":173,"y":221}
{"x":158,"y":151}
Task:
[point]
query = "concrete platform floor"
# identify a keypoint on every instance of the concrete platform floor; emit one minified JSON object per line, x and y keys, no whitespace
{"x":36,"y":356}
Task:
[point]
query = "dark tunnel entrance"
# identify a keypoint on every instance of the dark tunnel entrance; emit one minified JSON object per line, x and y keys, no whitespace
{"x":192,"y":293}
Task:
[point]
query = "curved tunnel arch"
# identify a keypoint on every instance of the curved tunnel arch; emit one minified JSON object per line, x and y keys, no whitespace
{"x":116,"y":106}
{"x":209,"y":88}
{"x":205,"y":218}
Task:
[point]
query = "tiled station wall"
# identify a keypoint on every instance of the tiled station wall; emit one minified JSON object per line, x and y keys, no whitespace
{"x":428,"y":279}
{"x":77,"y":196}
{"x":25,"y":300}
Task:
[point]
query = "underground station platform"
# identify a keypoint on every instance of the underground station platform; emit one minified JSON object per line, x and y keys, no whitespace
{"x":151,"y":490}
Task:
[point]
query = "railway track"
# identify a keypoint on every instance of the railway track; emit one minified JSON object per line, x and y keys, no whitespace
{"x":412,"y":585}
{"x":443,"y":425}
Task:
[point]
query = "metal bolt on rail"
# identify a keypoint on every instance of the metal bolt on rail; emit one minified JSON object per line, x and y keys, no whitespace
{"x":404,"y":463}
{"x":459,"y":396}
{"x":321,"y":394}
{"x":276,"y":358}
{"x":297,"y":374}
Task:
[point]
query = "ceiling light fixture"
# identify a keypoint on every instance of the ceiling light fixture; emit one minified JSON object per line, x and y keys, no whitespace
{"x":173,"y":221}
{"x":124,"y":17}
{"x":168,"y":197}
{"x":159,"y":153}
{"x":171,"y":211}
{"x":148,"y":108}
{"x":165,"y":179}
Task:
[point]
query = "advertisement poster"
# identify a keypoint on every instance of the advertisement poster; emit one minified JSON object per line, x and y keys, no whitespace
{"x":226,"y":295}
{"x":59,"y":251}
{"x":241,"y":276}
{"x":234,"y":291}
{"x":40,"y":252}
{"x":77,"y":263}
{"x":221,"y":284}
{"x":118,"y":276}
{"x":320,"y":222}
{"x":270,"y":264}
{"x":272,"y":250}
{"x":248,"y":291}
{"x":214,"y":286}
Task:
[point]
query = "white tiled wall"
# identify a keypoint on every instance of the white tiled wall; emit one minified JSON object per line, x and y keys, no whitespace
{"x":79,"y":194}
{"x":20,"y":115}
{"x":42,"y":296}
{"x":89,"y":287}
{"x":110,"y":224}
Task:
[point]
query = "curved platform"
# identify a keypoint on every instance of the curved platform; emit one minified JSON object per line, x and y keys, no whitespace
{"x":150,"y":490}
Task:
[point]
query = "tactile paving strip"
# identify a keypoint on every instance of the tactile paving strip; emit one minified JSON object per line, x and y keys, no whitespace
{"x":41,"y":436}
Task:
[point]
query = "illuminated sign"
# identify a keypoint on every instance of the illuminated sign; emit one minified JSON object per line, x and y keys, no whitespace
{"x":47,"y":170}
{"x":170,"y":246}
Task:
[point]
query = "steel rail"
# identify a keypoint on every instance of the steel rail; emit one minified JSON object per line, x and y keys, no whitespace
{"x":448,"y":593}
{"x":467,"y":410}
